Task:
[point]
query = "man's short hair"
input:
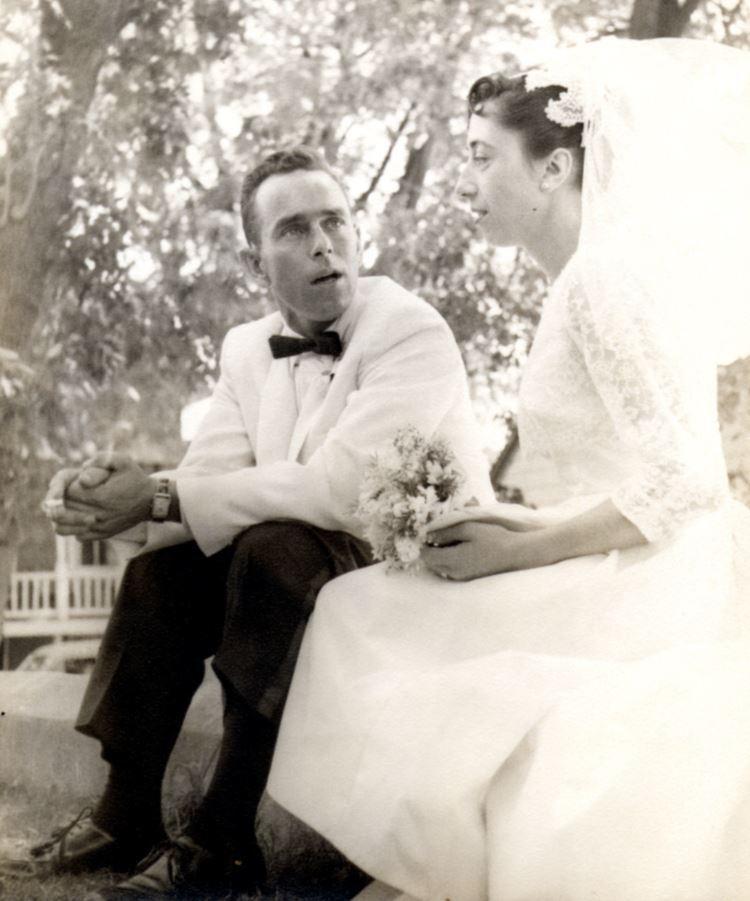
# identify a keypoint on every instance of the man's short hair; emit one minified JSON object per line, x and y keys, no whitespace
{"x":280,"y":162}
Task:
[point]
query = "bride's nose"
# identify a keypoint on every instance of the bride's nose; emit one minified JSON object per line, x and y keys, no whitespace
{"x":464,"y":190}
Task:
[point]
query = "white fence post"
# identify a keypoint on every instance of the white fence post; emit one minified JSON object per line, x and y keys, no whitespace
{"x":62,"y":581}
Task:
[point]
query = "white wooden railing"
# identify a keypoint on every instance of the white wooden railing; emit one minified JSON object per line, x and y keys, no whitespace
{"x":83,"y":591}
{"x":30,"y":595}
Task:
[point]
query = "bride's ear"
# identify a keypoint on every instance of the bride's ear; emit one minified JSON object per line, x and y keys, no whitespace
{"x":557,"y":168}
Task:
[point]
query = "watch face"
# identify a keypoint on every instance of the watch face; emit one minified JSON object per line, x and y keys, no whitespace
{"x":161,"y":501}
{"x":160,"y":508}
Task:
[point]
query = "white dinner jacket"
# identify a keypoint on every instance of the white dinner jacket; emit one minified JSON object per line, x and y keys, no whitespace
{"x":254,"y":459}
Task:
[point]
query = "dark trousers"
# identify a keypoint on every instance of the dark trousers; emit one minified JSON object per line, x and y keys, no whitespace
{"x":247,"y":605}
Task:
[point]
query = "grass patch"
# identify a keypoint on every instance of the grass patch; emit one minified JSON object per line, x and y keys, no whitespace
{"x":26,"y":819}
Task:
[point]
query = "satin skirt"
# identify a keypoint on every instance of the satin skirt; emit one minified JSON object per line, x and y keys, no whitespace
{"x":571,"y":732}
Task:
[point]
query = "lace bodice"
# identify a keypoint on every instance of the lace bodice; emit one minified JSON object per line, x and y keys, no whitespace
{"x":614,"y":399}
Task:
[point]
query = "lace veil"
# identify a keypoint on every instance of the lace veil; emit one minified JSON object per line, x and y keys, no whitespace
{"x":666,"y":182}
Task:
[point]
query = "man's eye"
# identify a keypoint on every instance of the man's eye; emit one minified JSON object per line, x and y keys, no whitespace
{"x":335,"y":222}
{"x":294,"y":230}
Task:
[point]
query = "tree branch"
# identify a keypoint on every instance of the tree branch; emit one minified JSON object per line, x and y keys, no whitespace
{"x":5,"y":215}
{"x":729,"y":17}
{"x":410,"y":185}
{"x":363,"y":53}
{"x":363,"y":198}
{"x":20,"y":210}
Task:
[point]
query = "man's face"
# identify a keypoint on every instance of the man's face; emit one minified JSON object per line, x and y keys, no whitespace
{"x":308,"y":248}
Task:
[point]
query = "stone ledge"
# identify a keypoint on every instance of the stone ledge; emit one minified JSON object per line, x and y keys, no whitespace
{"x":41,"y":751}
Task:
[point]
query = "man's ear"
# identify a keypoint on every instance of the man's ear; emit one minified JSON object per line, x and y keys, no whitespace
{"x":252,"y":263}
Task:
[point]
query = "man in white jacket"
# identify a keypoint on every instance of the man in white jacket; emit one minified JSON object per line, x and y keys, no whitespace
{"x":237,"y":541}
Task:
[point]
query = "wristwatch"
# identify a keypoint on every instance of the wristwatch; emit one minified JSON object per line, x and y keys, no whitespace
{"x":161,"y":502}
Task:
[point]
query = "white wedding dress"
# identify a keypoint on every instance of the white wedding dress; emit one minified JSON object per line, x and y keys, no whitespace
{"x":572,"y":732}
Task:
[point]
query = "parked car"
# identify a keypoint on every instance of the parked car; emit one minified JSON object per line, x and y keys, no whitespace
{"x":75,"y":656}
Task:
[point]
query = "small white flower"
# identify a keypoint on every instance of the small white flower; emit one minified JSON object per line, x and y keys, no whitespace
{"x":431,"y":498}
{"x":407,"y":550}
{"x":435,"y":472}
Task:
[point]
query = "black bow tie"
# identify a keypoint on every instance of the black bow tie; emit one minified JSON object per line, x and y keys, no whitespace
{"x":285,"y":346}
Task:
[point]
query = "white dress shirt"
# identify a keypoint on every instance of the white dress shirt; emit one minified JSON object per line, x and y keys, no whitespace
{"x":312,"y":373}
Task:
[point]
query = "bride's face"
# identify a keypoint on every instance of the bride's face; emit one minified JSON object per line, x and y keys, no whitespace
{"x":501,"y":183}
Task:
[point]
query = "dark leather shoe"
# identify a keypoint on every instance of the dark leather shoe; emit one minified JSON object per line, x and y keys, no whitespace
{"x":79,"y":847}
{"x":181,"y":869}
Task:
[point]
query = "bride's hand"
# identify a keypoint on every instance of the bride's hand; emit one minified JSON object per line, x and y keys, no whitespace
{"x":476,"y":548}
{"x":473,"y":549}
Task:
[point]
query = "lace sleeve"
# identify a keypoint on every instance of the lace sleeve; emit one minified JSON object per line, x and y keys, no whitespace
{"x":661,"y":397}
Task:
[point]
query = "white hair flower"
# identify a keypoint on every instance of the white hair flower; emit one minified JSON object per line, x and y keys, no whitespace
{"x":567,"y":110}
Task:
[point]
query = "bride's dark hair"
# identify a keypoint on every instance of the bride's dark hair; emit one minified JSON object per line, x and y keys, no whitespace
{"x":507,"y":101}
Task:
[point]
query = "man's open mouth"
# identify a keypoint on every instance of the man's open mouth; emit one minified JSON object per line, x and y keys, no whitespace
{"x":328,"y":277}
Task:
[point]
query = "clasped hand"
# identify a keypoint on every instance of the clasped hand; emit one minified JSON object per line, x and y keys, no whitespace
{"x":475,"y":548}
{"x":107,"y":495}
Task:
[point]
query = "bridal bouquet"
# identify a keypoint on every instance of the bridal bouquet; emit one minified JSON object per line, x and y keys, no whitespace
{"x":405,"y":489}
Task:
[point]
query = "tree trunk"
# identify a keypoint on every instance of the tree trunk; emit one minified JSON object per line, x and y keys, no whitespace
{"x":44,"y":148}
{"x":660,"y":18}
{"x":410,"y":183}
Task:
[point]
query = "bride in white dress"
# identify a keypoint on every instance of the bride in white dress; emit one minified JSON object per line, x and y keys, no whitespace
{"x":565,"y":714}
